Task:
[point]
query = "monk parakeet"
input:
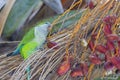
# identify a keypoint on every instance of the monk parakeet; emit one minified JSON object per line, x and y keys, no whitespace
{"x":32,"y":41}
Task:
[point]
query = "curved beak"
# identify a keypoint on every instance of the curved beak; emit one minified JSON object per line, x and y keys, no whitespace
{"x":55,"y":5}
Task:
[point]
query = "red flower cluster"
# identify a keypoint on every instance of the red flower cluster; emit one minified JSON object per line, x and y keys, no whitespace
{"x":79,"y":70}
{"x":109,"y":49}
{"x":63,"y":68}
{"x":94,"y":59}
{"x":110,"y":20}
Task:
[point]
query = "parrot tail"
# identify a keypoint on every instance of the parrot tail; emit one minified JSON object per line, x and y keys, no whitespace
{"x":10,"y":54}
{"x":17,"y":51}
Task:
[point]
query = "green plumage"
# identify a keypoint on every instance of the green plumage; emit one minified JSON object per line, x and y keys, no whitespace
{"x":28,"y":49}
{"x":28,"y":45}
{"x":33,"y":40}
{"x":28,"y":37}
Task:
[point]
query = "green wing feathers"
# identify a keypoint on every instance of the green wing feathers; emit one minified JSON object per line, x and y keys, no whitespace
{"x":28,"y":49}
{"x":28,"y":37}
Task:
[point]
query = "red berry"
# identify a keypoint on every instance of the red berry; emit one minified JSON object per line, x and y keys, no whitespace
{"x":107,"y":30}
{"x":112,"y":37}
{"x":110,"y":20}
{"x":91,"y":5}
{"x":52,"y":44}
{"x":94,"y":59}
{"x":101,"y":48}
{"x":110,"y":45}
{"x":76,"y":73}
{"x":119,"y":42}
{"x":94,"y":36}
{"x":63,"y":68}
{"x":84,"y":68}
{"x":91,"y":45}
{"x":116,"y":61}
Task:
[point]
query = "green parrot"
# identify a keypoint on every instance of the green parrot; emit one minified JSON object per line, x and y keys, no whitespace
{"x":32,"y":41}
{"x":30,"y":38}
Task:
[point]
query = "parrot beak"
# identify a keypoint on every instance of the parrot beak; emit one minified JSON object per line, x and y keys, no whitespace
{"x":55,"y":5}
{"x":49,"y":25}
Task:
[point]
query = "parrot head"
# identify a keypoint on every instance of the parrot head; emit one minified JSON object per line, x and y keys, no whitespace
{"x":42,"y":30}
{"x":55,"y":5}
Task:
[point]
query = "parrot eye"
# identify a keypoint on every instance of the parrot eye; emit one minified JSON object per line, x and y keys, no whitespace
{"x":48,"y":23}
